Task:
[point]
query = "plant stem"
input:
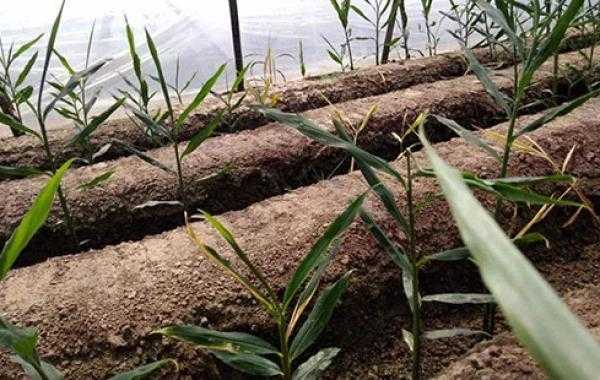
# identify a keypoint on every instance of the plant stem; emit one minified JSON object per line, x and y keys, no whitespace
{"x":181,"y":185}
{"x":67,"y":215}
{"x":68,"y":219}
{"x":416,"y":326}
{"x":490,"y":309}
{"x":416,"y":302}
{"x":349,"y":49}
{"x":286,"y":363}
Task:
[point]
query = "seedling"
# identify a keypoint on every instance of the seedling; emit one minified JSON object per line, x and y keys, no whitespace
{"x":79,"y":103}
{"x":342,"y":9}
{"x":533,"y":49}
{"x":378,"y":9}
{"x":557,"y":340}
{"x":14,"y":93}
{"x":390,"y":41}
{"x":253,"y":355}
{"x":42,"y":112}
{"x":166,"y":125}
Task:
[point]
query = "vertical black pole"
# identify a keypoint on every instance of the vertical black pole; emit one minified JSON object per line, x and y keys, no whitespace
{"x":237,"y":42}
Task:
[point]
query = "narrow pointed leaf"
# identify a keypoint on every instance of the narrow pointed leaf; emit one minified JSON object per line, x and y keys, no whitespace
{"x":555,"y":112}
{"x":25,"y":47}
{"x":232,"y":342}
{"x":96,"y":181}
{"x":19,"y":172}
{"x":313,"y":368}
{"x":143,"y":156}
{"x":319,"y":317}
{"x":203,"y":135}
{"x":488,"y":84}
{"x":451,"y":333}
{"x":250,"y":364}
{"x":469,"y":136}
{"x":13,"y":123}
{"x":455,"y":254}
{"x":96,"y":122}
{"x":309,"y":129}
{"x":33,"y":220}
{"x":202,"y":94}
{"x":145,"y":371}
{"x":459,"y":298}
{"x":25,"y":72}
{"x":539,"y":318}
{"x":320,"y":249}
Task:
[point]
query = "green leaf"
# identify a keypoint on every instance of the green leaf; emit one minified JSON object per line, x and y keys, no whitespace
{"x":161,"y":76}
{"x":23,"y":75}
{"x":541,"y":321}
{"x":97,"y":181}
{"x":529,"y":180}
{"x":250,"y":364}
{"x":313,"y":368}
{"x":469,"y":136}
{"x":63,"y":60}
{"x":451,"y":333}
{"x":203,"y":135}
{"x":395,"y":252}
{"x":73,"y":82}
{"x":318,"y":252}
{"x":530,"y":239}
{"x":202,"y":94}
{"x":319,"y":317}
{"x":231,"y":342}
{"x":144,"y":371}
{"x":21,"y":342}
{"x":96,"y":122}
{"x":384,"y":194}
{"x":13,"y":123}
{"x":143,"y":156}
{"x":551,"y":45}
{"x":309,"y":129}
{"x":500,"y":18}
{"x":49,"y":52}
{"x":19,"y":172}
{"x":23,"y":95}
{"x":391,"y":248}
{"x":359,"y":12}
{"x":455,"y":254}
{"x":517,"y":194}
{"x":459,"y":298}
{"x":488,"y":84}
{"x":25,"y":47}
{"x":33,"y":220}
{"x":555,"y":112}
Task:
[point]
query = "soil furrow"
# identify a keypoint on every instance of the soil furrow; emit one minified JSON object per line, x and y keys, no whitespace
{"x":504,"y":358}
{"x":378,"y":351}
{"x":260,"y":163}
{"x":97,"y":310}
{"x":294,"y":96}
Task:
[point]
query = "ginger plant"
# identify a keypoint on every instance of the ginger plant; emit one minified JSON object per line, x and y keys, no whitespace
{"x":532,"y":47}
{"x":256,"y":356}
{"x":166,"y":126}
{"x":410,"y":259}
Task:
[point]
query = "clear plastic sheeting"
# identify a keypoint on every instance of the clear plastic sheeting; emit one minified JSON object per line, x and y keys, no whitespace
{"x":198,"y":33}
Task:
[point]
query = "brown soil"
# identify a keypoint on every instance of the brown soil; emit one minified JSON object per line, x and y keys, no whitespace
{"x":97,"y":310}
{"x":264,"y":162}
{"x":378,"y":351}
{"x":504,"y":358}
{"x":295,"y":96}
